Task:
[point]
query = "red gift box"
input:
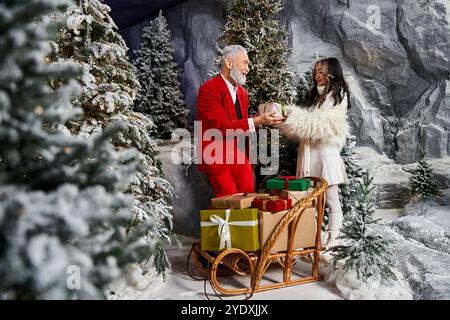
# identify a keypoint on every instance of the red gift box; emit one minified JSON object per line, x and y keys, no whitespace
{"x":272,"y":204}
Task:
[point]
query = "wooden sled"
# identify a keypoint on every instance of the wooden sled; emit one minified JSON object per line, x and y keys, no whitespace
{"x":254,"y":264}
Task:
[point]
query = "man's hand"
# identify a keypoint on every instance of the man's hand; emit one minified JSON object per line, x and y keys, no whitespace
{"x":267,"y":119}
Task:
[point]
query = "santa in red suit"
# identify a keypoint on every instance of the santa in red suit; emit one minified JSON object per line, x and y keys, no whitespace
{"x":222,"y":108}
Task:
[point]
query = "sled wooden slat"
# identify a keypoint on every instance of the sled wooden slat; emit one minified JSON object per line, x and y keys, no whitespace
{"x":254,"y":264}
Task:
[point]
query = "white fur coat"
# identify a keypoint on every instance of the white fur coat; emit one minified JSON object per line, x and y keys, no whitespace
{"x":321,"y":133}
{"x":327,"y":125}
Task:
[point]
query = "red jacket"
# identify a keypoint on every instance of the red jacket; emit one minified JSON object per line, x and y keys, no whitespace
{"x":215,"y":109}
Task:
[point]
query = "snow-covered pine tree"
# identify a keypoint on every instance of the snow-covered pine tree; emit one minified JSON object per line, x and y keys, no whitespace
{"x":160,"y":96}
{"x":63,"y":214}
{"x":90,"y":37}
{"x":423,"y":182}
{"x":254,"y":25}
{"x":109,"y":83}
{"x":364,"y":250}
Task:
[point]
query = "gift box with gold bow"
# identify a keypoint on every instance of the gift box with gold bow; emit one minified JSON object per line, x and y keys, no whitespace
{"x":235,"y":201}
{"x":229,"y":228}
{"x":272,"y":204}
{"x":288,"y":183}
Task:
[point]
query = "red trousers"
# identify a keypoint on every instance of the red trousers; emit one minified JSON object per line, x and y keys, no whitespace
{"x":237,"y":178}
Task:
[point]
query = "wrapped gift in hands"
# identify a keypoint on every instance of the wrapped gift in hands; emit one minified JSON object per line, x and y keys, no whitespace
{"x":277,"y":109}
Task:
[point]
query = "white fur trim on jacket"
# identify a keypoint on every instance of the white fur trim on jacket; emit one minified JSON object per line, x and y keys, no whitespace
{"x":327,"y":124}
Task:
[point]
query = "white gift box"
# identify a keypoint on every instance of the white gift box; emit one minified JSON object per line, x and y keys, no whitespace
{"x":270,"y":107}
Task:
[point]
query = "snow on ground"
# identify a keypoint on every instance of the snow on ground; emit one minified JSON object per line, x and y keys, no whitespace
{"x":180,"y":286}
{"x":420,"y":237}
{"x":352,"y":288}
{"x":421,"y":246}
{"x":135,"y":285}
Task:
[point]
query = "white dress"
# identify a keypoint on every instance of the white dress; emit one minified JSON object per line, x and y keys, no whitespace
{"x":320,"y":159}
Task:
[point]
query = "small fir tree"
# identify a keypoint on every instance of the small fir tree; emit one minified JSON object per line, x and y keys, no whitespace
{"x":160,"y":96}
{"x":364,"y":251}
{"x":423,"y":182}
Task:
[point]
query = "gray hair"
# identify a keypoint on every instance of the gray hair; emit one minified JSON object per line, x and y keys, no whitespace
{"x":231,"y":51}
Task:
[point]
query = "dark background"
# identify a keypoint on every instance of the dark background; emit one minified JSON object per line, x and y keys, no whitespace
{"x":127,"y":13}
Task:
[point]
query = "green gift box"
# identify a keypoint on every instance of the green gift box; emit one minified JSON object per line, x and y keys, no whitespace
{"x":288,"y":183}
{"x":229,"y":228}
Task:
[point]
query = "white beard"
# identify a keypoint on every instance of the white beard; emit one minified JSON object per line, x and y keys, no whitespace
{"x":237,"y":76}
